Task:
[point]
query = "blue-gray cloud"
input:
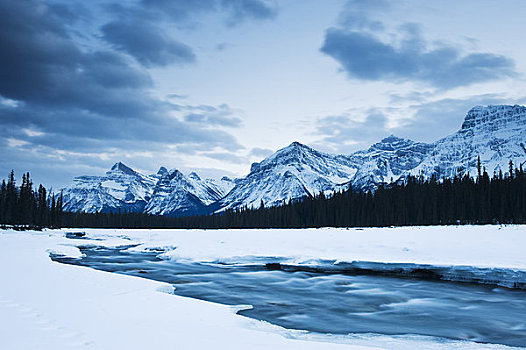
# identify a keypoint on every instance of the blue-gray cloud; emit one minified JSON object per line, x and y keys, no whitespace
{"x":364,"y":56}
{"x":139,"y":30}
{"x":70,"y":12}
{"x":207,"y":116}
{"x":240,"y":10}
{"x":357,"y":45}
{"x":236,"y":11}
{"x":41,"y":65}
{"x":179,"y":10}
{"x":147,"y":43}
{"x":60,"y":101}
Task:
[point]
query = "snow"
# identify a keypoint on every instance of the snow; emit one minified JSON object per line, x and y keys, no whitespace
{"x":482,"y":246}
{"x":496,"y":134}
{"x":47,"y":305}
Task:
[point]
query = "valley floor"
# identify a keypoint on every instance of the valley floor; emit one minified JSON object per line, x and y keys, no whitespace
{"x":47,"y":305}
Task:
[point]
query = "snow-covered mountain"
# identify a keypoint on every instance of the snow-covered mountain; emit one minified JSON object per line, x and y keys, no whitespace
{"x":121,"y":187}
{"x":387,"y":161}
{"x":496,"y":134}
{"x":295,"y":171}
{"x":177,"y":194}
{"x":166,"y":193}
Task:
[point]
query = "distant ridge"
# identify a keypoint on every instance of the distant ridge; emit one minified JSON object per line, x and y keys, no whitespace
{"x":496,"y":134}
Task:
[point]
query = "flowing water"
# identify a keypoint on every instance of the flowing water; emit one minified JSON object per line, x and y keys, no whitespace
{"x":338,"y":303}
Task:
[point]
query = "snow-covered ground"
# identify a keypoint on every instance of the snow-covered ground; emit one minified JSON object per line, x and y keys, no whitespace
{"x":47,"y":305}
{"x":480,"y":246}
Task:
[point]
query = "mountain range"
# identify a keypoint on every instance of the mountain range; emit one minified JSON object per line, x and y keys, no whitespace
{"x":496,"y":134}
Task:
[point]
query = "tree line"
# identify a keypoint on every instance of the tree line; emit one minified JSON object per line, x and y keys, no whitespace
{"x":463,"y":199}
{"x":24,"y":206}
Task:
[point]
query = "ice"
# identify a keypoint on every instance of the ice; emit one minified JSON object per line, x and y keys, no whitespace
{"x":48,"y":305}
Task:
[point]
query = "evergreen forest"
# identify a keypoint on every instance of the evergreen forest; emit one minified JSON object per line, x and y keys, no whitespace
{"x":463,"y":199}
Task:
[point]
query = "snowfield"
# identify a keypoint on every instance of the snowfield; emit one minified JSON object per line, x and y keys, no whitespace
{"x":47,"y":305}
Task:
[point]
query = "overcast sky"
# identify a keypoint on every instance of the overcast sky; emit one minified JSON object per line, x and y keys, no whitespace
{"x":214,"y":85}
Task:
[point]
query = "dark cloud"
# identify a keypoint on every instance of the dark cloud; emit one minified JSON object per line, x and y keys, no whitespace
{"x":147,"y":43}
{"x":41,"y":65}
{"x":139,"y":29}
{"x":61,"y":103}
{"x":180,"y":10}
{"x":357,"y":45}
{"x":364,"y":56}
{"x":70,"y":12}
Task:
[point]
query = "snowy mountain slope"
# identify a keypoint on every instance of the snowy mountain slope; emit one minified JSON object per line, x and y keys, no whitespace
{"x":177,"y":194}
{"x":387,"y":161}
{"x":496,"y":134}
{"x":166,"y":192}
{"x":210,"y":190}
{"x":121,"y":187}
{"x":172,"y":196}
{"x":293,"y":172}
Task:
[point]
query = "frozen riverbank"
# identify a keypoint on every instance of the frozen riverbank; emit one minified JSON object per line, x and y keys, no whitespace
{"x":489,"y":246}
{"x":47,"y":305}
{"x":325,"y":300}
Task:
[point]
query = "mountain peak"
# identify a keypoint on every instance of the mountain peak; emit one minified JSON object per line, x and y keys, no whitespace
{"x":193,"y":175}
{"x":297,"y":145}
{"x":391,"y":139}
{"x":294,"y":148}
{"x":162,"y":171}
{"x":491,"y":114}
{"x":391,"y":143}
{"x":172,"y":173}
{"x":290,"y":154}
{"x":119,"y":166}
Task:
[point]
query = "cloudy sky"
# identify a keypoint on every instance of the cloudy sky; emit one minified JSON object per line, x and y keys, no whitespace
{"x":213,"y":85}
